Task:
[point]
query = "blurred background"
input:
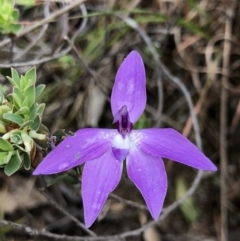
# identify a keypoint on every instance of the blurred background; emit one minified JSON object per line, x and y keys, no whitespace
{"x":190,"y":49}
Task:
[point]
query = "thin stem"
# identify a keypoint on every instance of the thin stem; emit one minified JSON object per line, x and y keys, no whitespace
{"x":129,"y":202}
{"x":223,"y":127}
{"x":75,"y":220}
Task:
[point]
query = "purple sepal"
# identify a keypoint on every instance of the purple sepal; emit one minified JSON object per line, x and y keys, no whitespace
{"x":148,"y":174}
{"x":171,"y":144}
{"x":84,"y":145}
{"x":100,"y":177}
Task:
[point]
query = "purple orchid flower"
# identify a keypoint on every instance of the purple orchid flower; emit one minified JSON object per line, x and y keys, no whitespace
{"x":104,"y":150}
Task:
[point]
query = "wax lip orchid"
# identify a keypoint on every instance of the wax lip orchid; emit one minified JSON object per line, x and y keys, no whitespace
{"x":104,"y":150}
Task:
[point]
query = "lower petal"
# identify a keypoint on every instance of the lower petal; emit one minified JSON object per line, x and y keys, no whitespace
{"x":100,"y":177}
{"x":148,"y":174}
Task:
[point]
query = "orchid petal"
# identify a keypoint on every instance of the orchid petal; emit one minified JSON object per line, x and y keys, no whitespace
{"x":120,"y":154}
{"x":100,"y":177}
{"x":148,"y":174}
{"x":171,"y":144}
{"x":130,"y":87}
{"x":84,"y":145}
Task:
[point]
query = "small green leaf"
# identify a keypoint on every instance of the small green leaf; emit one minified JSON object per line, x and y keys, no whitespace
{"x":5,"y":145}
{"x":4,"y":109}
{"x":40,"y":108}
{"x":15,"y":77}
{"x":33,"y":112}
{"x":7,"y":7}
{"x":18,"y":147}
{"x":43,"y":129}
{"x":36,"y":110}
{"x":12,"y":81}
{"x":36,"y":124}
{"x":38,"y":136}
{"x":23,"y":83}
{"x":13,"y":165}
{"x":15,"y":27}
{"x":25,"y":102}
{"x":28,"y":141}
{"x":31,"y":76}
{"x":15,"y":15}
{"x":13,"y":118}
{"x":27,"y":2}
{"x":8,"y":157}
{"x":2,"y":127}
{"x":23,"y":110}
{"x":16,"y":100}
{"x":19,"y":93}
{"x":31,"y":95}
{"x":25,"y":124}
{"x":10,"y":98}
{"x":26,"y":161}
{"x":3,"y":157}
{"x":39,"y":90}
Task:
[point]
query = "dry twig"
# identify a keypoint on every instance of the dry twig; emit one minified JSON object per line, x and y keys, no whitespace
{"x":223,"y":127}
{"x":71,"y":217}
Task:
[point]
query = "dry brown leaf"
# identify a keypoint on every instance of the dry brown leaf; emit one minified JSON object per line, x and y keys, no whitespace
{"x":151,"y":234}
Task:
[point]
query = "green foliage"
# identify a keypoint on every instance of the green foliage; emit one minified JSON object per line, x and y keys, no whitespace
{"x":26,"y":2}
{"x":20,"y":122}
{"x":66,"y":61}
{"x":9,"y":17}
{"x":13,"y":164}
{"x":187,"y":207}
{"x":193,"y":27}
{"x":150,"y":18}
{"x":142,"y":123}
{"x":64,"y":178}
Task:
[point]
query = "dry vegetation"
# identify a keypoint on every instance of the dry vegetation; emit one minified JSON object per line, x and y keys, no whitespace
{"x":191,"y":53}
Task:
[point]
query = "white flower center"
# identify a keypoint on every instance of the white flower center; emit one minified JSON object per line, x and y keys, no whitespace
{"x":120,"y":142}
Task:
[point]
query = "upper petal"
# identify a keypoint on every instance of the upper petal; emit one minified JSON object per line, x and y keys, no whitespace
{"x":148,"y":174}
{"x":130,"y":87}
{"x":84,"y":145}
{"x":171,"y":144}
{"x":100,"y":177}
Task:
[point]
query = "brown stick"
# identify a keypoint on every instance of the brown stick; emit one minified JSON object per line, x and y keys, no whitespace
{"x":223,"y":127}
